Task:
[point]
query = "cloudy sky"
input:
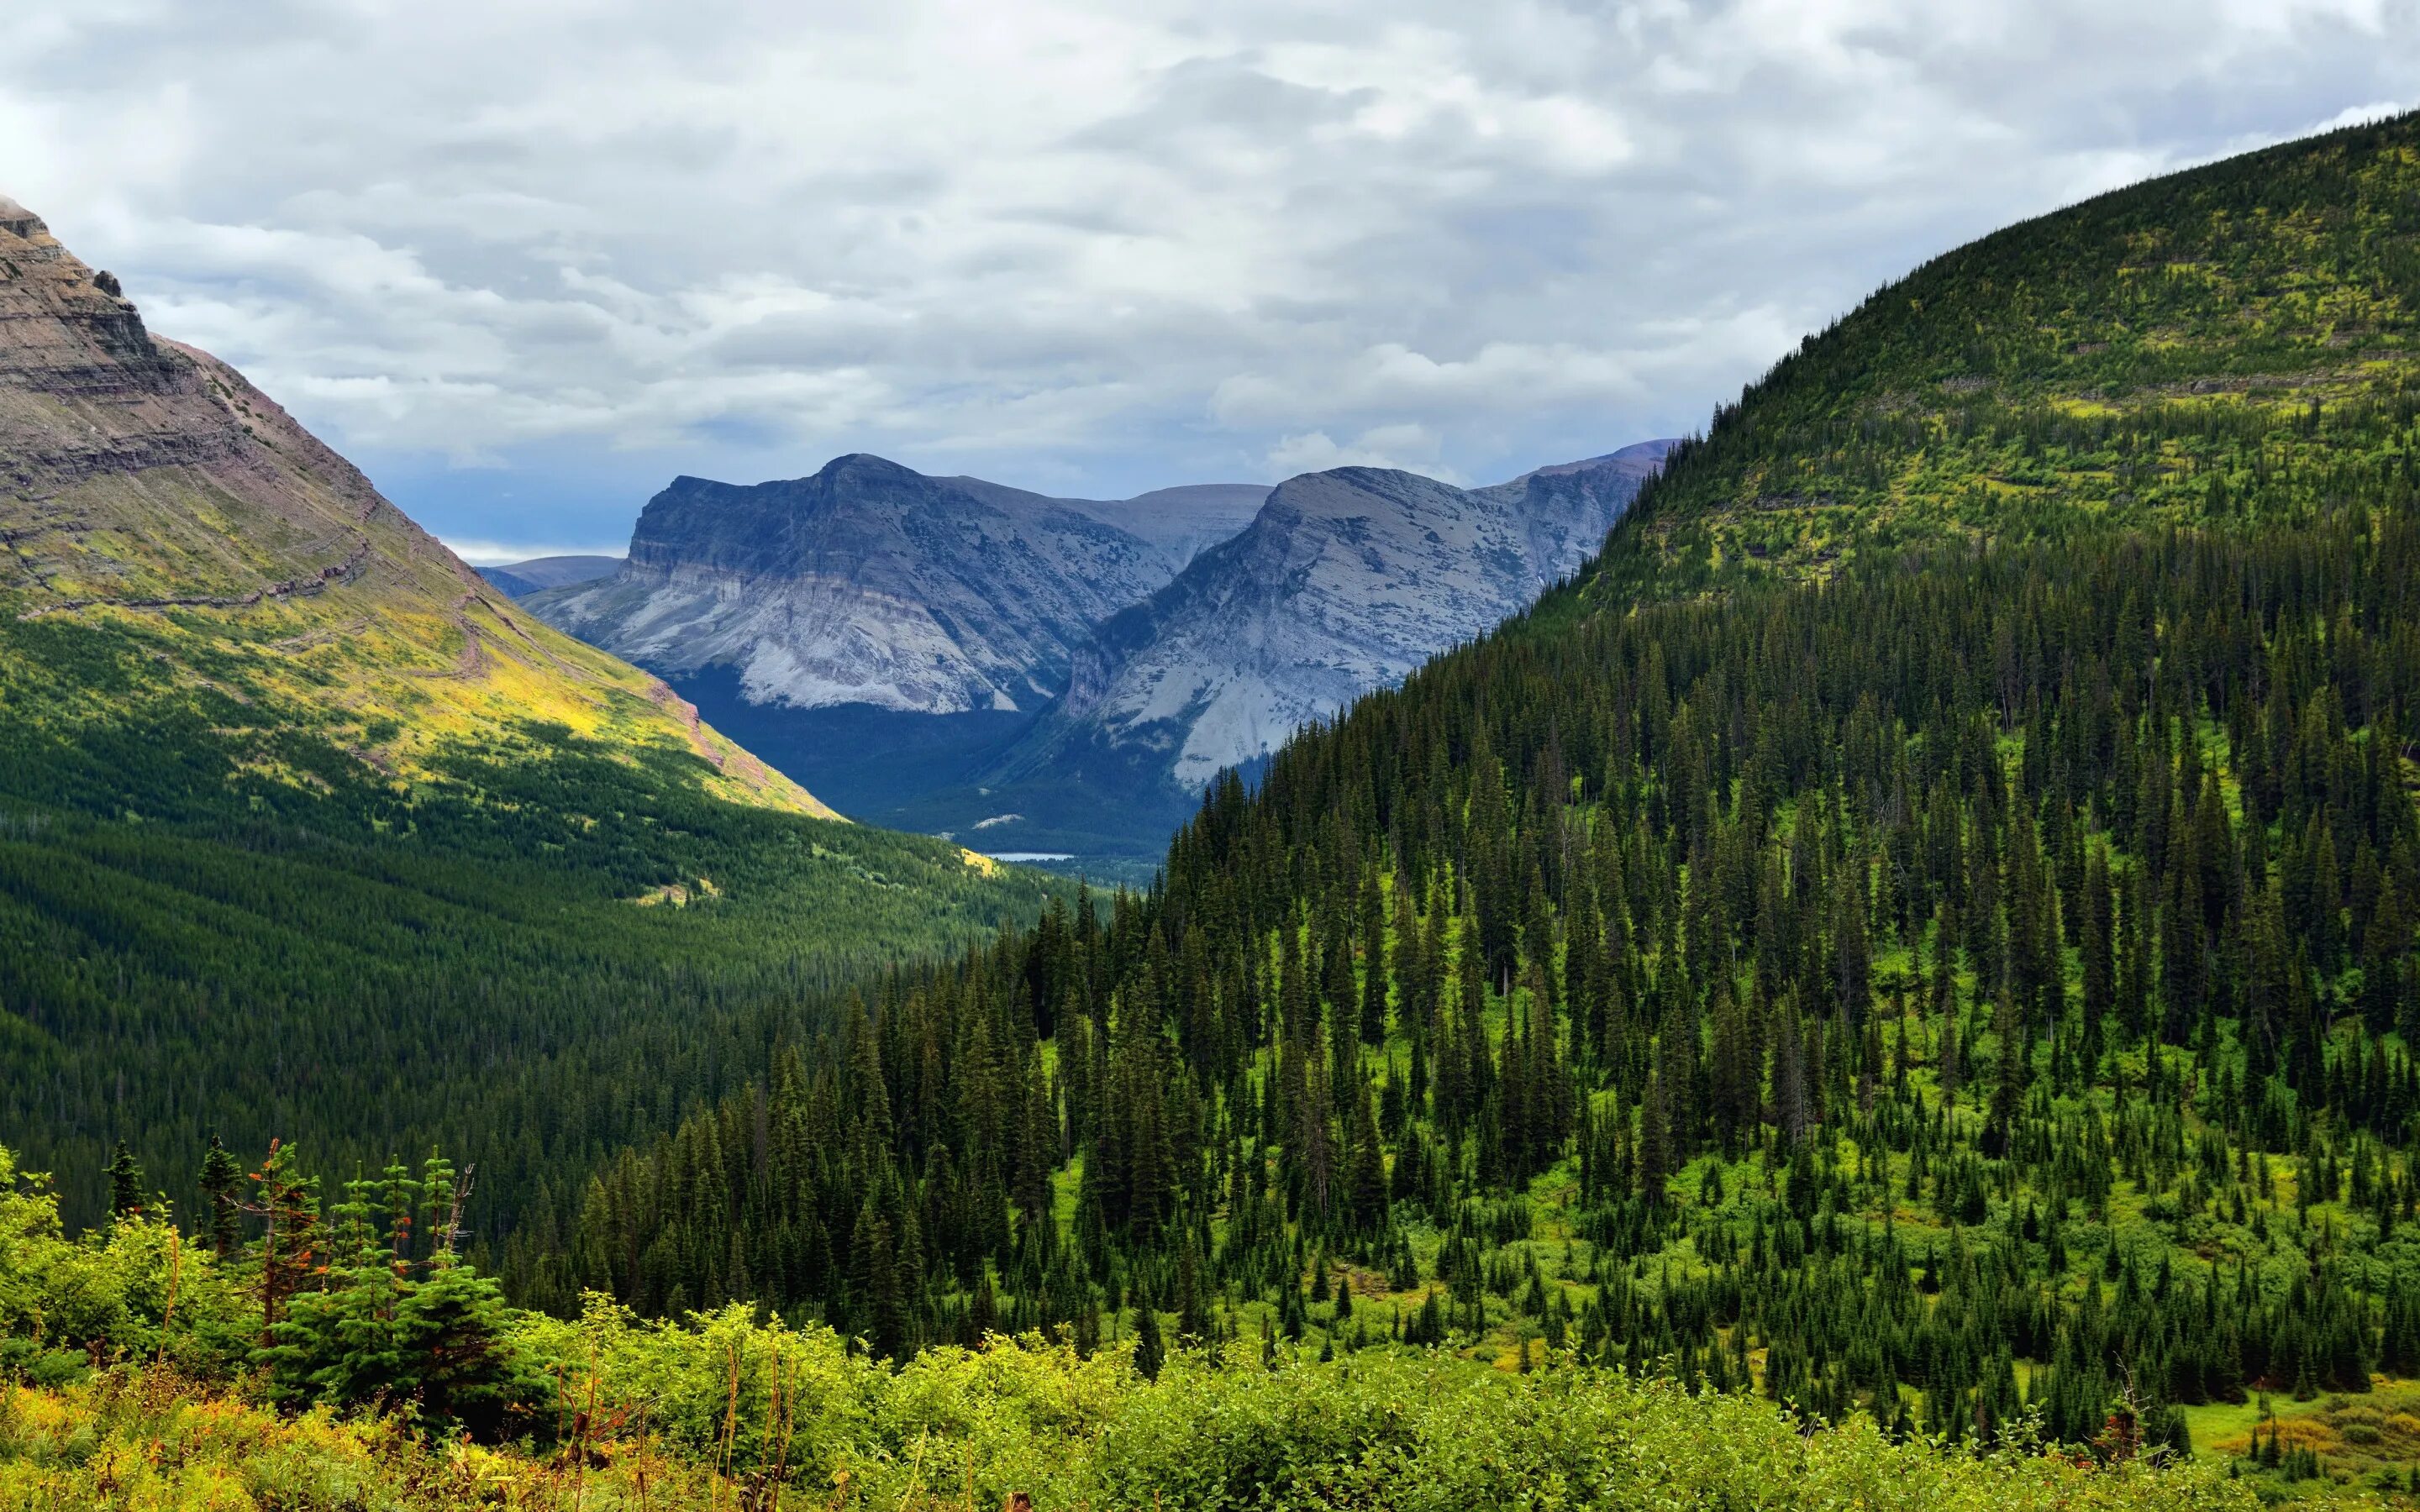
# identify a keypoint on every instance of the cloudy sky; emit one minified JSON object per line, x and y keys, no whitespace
{"x":525,"y":261}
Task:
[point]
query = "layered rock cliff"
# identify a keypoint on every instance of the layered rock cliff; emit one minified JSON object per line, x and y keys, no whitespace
{"x":161,"y":516}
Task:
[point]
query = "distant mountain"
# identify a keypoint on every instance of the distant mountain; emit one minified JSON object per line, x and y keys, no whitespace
{"x":870,"y":583}
{"x":1055,"y":675}
{"x":538,"y":574}
{"x":1345,"y":581}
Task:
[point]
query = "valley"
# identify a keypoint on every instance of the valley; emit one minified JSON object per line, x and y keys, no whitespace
{"x":280,"y":778}
{"x":1913,"y":933}
{"x":1065,"y":676}
{"x":1867,"y":956}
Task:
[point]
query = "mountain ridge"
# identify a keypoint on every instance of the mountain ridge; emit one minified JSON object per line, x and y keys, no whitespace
{"x":538,"y":574}
{"x":830,"y":616}
{"x":1180,"y":522}
{"x":866,"y":582}
{"x":1346,"y":582}
{"x":152,"y":488}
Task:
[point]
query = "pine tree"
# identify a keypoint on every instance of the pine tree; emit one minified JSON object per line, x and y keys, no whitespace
{"x":291,"y":1257}
{"x":222,"y":1183}
{"x":125,"y":1183}
{"x":380,"y":1329}
{"x":1369,"y":1172}
{"x":1150,"y":1350}
{"x":2099,"y":950}
{"x":1373,"y":965}
{"x":1852,"y":952}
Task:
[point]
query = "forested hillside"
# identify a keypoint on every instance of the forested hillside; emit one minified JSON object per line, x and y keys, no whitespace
{"x":549,"y":955}
{"x":2208,"y":347}
{"x":307,"y":830}
{"x":1924,"y":928}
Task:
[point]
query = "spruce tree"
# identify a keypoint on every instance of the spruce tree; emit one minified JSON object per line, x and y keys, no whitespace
{"x":125,"y":1183}
{"x":221,"y":1184}
{"x":1150,"y":1350}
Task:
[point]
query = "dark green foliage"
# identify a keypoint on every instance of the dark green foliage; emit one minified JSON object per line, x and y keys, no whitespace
{"x":125,"y":1183}
{"x":207,"y":926}
{"x":1966,"y":927}
{"x":398,"y":1321}
{"x":220,"y":1181}
{"x":1150,"y":1351}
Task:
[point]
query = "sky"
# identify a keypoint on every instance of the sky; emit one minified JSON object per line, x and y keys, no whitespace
{"x":525,"y":262}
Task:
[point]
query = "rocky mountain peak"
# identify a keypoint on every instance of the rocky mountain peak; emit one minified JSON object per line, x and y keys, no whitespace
{"x":867,"y":470}
{"x":1345,"y":581}
{"x":148,"y":488}
{"x":65,"y":329}
{"x":1346,"y":492}
{"x":867,"y":582}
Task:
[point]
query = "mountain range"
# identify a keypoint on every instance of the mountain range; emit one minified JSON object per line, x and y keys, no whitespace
{"x":1345,"y":581}
{"x":871,"y":584}
{"x":1061,"y":674}
{"x":1922,"y":928}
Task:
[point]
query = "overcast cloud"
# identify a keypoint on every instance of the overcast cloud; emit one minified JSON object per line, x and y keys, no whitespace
{"x":526,"y":261}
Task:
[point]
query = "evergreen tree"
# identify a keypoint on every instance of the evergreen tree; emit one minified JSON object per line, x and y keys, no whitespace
{"x":125,"y":1183}
{"x":222,"y":1185}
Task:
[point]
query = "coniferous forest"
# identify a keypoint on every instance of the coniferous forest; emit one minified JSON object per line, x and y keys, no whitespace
{"x":210,"y":928}
{"x":1922,"y":931}
{"x":1923,"y":928}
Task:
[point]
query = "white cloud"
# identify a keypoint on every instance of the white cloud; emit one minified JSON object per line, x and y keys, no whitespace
{"x":2359,"y":114}
{"x":1410,"y":448}
{"x":480,"y":554}
{"x":1072,"y":243}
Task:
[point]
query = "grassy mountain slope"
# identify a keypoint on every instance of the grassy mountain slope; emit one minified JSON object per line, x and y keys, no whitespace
{"x":2150,"y":357}
{"x":1925,"y":927}
{"x":306,"y":829}
{"x":175,"y":542}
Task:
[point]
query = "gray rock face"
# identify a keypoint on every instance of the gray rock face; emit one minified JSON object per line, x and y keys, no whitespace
{"x":870,"y":583}
{"x":1344,"y":582}
{"x":1101,"y":659}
